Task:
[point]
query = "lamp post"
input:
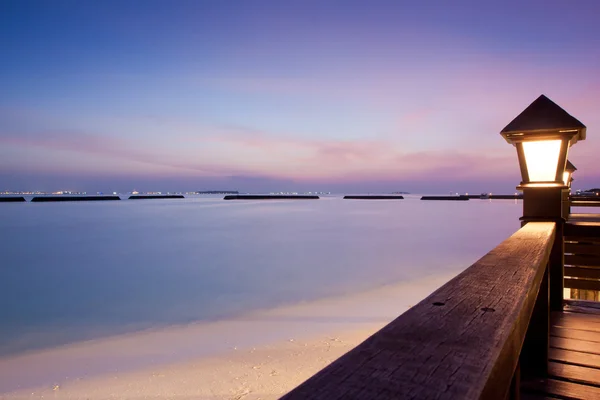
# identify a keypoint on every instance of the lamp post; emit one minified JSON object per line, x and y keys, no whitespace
{"x":542,"y":135}
{"x":568,"y":178}
{"x":568,"y":175}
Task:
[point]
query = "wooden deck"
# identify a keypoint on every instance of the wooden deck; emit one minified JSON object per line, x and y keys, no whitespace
{"x":574,"y":355}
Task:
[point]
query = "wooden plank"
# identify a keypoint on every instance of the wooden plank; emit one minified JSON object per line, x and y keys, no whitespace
{"x":582,"y":230}
{"x":582,"y":249}
{"x":582,"y":240}
{"x":590,"y":197}
{"x":575,"y":321}
{"x":582,"y":261}
{"x":575,"y":334}
{"x":463,"y":341}
{"x":583,"y":203}
{"x":582,"y":346}
{"x":582,"y":272}
{"x":584,"y":216}
{"x":561,"y":389}
{"x":574,"y":373}
{"x":574,"y":357}
{"x":591,"y":307}
{"x":585,"y":284}
{"x":585,"y":317}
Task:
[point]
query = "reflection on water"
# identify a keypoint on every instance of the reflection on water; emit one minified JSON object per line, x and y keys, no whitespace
{"x":72,"y":271}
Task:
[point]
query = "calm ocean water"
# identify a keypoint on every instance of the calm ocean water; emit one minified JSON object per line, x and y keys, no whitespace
{"x":76,"y":271}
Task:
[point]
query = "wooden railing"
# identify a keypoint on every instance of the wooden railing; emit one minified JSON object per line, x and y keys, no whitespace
{"x":582,"y":257}
{"x":585,"y":201}
{"x":582,"y":251}
{"x":467,"y":340}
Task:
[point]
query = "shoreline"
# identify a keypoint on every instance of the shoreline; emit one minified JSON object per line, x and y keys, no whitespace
{"x":228,"y":359}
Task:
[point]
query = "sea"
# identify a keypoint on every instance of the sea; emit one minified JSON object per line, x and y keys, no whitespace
{"x":75,"y":271}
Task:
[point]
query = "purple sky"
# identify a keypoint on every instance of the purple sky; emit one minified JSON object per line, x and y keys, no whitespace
{"x":370,"y":96}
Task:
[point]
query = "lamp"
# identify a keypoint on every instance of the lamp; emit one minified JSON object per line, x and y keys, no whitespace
{"x":543,"y":134}
{"x":567,"y":176}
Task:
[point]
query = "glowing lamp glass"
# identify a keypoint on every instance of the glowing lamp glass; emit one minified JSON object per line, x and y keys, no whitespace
{"x":542,"y":159}
{"x":566,"y":177}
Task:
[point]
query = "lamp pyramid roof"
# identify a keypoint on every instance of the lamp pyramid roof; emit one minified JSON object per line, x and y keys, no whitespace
{"x":544,"y":114}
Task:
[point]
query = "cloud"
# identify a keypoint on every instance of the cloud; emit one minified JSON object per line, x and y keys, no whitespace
{"x":109,"y":148}
{"x":276,"y":156}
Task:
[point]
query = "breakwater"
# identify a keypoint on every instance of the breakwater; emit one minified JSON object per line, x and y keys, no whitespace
{"x":11,"y":199}
{"x":374,"y":197}
{"x":270,"y":197}
{"x":454,"y":198}
{"x":157,"y":196}
{"x":496,"y":196}
{"x":42,"y":199}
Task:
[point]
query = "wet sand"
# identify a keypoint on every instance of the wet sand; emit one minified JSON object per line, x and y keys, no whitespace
{"x":261,"y":355}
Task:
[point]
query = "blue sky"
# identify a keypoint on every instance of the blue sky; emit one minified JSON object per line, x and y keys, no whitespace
{"x":270,"y":95}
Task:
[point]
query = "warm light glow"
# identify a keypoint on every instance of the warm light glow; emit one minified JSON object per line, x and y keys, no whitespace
{"x":566,"y":177}
{"x":544,"y":184}
{"x":542,"y":159}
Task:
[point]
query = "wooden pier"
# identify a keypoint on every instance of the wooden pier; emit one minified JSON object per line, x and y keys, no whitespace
{"x":491,"y":332}
{"x":503,"y":328}
{"x":573,"y":357}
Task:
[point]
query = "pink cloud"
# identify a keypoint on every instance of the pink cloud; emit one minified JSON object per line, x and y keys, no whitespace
{"x":368,"y":159}
{"x":304,"y":159}
{"x":110,"y":148}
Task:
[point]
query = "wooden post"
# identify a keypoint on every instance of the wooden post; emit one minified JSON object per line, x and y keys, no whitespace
{"x":514,"y":393}
{"x":534,"y":355}
{"x":547,"y":204}
{"x":556,"y":267}
{"x":544,"y":204}
{"x":566,"y":204}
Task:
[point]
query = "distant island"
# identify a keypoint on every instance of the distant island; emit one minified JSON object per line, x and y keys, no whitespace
{"x":218,"y":192}
{"x":400,"y":193}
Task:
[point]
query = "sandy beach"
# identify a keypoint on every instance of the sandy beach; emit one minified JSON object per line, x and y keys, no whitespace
{"x":261,"y":355}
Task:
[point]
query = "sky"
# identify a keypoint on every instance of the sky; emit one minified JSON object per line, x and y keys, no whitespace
{"x":260,"y":96}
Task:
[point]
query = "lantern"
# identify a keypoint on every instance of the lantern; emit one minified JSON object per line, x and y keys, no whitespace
{"x":567,"y":176}
{"x":543,"y":134}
